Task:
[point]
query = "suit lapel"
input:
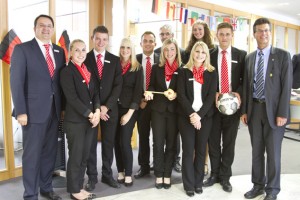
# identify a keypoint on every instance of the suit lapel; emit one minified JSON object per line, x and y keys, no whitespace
{"x":252,"y":58}
{"x":78,"y":75}
{"x":270,"y":65}
{"x":38,"y":52}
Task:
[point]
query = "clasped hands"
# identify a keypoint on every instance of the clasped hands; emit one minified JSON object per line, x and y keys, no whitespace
{"x":94,"y":118}
{"x":195,"y":120}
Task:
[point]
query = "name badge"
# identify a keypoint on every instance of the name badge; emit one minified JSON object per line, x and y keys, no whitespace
{"x":83,"y":81}
{"x":107,"y":61}
{"x":234,"y":61}
{"x":191,"y":79}
{"x":175,"y":73}
{"x":55,"y":50}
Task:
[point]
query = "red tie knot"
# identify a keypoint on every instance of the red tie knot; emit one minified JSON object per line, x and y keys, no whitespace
{"x":99,"y":56}
{"x":46,"y":46}
{"x":148,"y":58}
{"x":224,"y":52}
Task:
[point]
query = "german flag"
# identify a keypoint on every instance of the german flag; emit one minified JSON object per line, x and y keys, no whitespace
{"x":8,"y":44}
{"x":156,"y":6}
{"x":64,"y":42}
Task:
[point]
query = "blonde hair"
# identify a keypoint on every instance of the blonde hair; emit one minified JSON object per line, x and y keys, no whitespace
{"x":162,"y":58}
{"x":72,"y":46}
{"x":206,"y":63}
{"x":135,"y":65}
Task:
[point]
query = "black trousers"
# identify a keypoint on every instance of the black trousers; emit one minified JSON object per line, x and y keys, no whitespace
{"x":264,"y":139}
{"x":39,"y":155}
{"x":165,"y":132}
{"x":108,"y":134}
{"x":222,"y":144}
{"x":79,"y":136}
{"x":123,"y":148}
{"x":193,"y":151}
{"x":144,"y":125}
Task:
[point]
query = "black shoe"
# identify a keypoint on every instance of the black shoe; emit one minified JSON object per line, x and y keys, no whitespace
{"x":121,"y":181}
{"x":88,"y":198}
{"x":271,"y":197}
{"x":50,"y":195}
{"x":141,"y":173}
{"x":226,"y":186}
{"x":111,"y":182}
{"x":177,"y":167}
{"x":90,"y":186}
{"x":167,"y":185}
{"x":198,"y":190}
{"x":190,"y":193}
{"x":128,"y":184}
{"x":254,"y":192}
{"x":159,"y":185}
{"x":211,"y":181}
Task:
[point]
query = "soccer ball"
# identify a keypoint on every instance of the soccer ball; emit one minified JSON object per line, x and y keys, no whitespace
{"x":227,"y":103}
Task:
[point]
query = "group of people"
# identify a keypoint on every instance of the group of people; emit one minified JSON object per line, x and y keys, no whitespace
{"x":169,"y":90}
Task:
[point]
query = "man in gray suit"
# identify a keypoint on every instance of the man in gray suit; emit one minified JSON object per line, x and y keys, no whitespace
{"x":265,"y":109}
{"x":36,"y":94}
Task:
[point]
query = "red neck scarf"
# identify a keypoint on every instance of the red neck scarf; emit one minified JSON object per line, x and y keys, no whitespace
{"x":169,"y":70}
{"x":125,"y":67}
{"x":86,"y":75}
{"x":198,"y":74}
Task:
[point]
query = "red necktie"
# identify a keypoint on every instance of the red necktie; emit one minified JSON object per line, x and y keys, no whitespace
{"x":99,"y":65}
{"x":86,"y":73}
{"x":49,"y":60}
{"x":148,"y":72}
{"x":224,"y":74}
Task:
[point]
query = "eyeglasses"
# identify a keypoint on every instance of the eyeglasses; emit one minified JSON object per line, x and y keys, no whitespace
{"x":45,"y":26}
{"x":167,"y":34}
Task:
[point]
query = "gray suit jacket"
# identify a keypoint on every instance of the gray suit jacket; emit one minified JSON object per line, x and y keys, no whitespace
{"x":278,"y":84}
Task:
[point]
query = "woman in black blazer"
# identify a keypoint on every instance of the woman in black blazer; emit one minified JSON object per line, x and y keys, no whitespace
{"x":163,"y":115}
{"x":197,"y":85}
{"x":82,"y":114}
{"x":129,"y":100}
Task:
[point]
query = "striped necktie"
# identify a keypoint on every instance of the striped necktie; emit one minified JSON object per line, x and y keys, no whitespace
{"x":49,"y":60}
{"x":260,"y":82}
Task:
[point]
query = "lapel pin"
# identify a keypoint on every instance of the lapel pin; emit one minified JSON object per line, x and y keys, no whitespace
{"x":271,"y":75}
{"x":83,"y":81}
{"x":107,"y":61}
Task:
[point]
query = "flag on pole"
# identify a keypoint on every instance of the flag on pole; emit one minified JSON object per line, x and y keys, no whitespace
{"x":183,"y":15}
{"x":156,"y":6}
{"x":64,"y":42}
{"x":171,"y":10}
{"x":227,"y":19}
{"x":212,"y":24}
{"x":194,"y":17}
{"x":220,"y":20}
{"x":234,"y":23}
{"x":8,"y":44}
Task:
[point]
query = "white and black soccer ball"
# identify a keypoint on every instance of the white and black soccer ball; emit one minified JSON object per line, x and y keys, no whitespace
{"x":228,"y":103}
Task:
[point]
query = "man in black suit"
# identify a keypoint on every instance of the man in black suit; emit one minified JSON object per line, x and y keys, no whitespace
{"x":166,"y":32}
{"x":296,"y":71}
{"x":225,"y":127}
{"x":265,"y":108}
{"x":107,"y":68}
{"x":36,"y":94}
{"x":144,"y":113}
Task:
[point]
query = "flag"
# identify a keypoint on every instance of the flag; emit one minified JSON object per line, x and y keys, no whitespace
{"x":194,"y":17}
{"x":241,"y":24}
{"x":64,"y":42}
{"x":227,"y":19}
{"x":156,"y":6}
{"x":183,"y":15}
{"x":234,"y":23}
{"x":212,"y":25}
{"x":8,"y":44}
{"x":170,"y":10}
{"x":202,"y":17}
{"x":220,"y":20}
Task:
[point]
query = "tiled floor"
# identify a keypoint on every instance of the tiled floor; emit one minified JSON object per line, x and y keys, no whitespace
{"x":290,"y":184}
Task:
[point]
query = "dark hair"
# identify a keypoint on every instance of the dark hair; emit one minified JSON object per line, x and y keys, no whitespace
{"x":148,"y":33}
{"x":224,"y":25}
{"x":40,"y":16}
{"x":261,"y":21}
{"x":100,"y":29}
{"x":207,"y":38}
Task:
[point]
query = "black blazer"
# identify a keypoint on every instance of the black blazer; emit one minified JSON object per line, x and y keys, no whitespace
{"x":185,"y":93}
{"x":237,"y":67}
{"x":132,"y":89}
{"x":81,"y":99}
{"x":296,"y":71}
{"x":111,"y":82}
{"x":161,"y":103}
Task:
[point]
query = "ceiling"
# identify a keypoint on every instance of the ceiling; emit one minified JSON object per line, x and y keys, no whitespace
{"x":283,"y":10}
